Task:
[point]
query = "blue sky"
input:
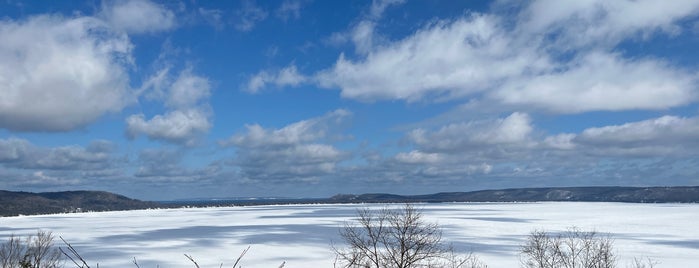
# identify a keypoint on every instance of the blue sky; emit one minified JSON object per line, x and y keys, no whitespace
{"x":302,"y":98}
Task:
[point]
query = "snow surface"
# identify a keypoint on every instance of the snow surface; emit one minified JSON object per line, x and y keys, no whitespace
{"x":302,"y":235}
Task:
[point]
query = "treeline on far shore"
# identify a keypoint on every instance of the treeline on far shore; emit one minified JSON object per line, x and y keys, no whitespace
{"x":25,"y":203}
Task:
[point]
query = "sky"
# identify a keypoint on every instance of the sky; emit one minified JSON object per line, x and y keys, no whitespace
{"x":307,"y":98}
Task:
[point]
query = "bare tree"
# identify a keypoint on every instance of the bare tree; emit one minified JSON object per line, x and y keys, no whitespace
{"x":34,"y":252}
{"x":396,"y":239}
{"x":571,"y":249}
{"x":11,"y":252}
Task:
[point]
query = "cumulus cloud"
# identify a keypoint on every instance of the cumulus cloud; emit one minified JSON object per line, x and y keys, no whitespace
{"x":463,"y":170}
{"x":598,"y":22}
{"x":667,"y":135}
{"x":288,"y":76}
{"x":417,"y":157}
{"x":379,"y":6}
{"x":600,"y":81}
{"x":66,"y":162}
{"x":299,"y":132}
{"x":512,"y":131}
{"x":293,"y":152}
{"x":445,"y":59}
{"x":512,"y":151}
{"x":188,"y":90}
{"x":138,"y":16}
{"x":248,"y":16}
{"x":562,"y":141}
{"x":538,"y":56}
{"x":457,"y":152}
{"x":60,"y":74}
{"x":166,"y":165}
{"x":362,"y":33}
{"x":178,"y":126}
{"x":24,"y":164}
{"x":188,"y":116}
{"x":515,"y":136}
{"x":562,"y":62}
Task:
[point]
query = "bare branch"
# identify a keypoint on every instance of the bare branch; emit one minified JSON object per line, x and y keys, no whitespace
{"x":74,"y":255}
{"x":192,"y":260}
{"x":240,"y":257}
{"x":574,"y":248}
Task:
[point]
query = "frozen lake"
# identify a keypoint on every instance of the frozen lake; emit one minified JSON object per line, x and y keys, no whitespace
{"x":301,"y":235}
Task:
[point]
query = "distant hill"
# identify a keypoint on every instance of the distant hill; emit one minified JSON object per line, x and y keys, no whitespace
{"x":685,"y":194}
{"x":24,"y":203}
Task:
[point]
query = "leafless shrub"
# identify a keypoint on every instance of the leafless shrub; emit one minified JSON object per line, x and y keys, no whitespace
{"x":453,"y":260}
{"x":11,"y":252}
{"x":571,"y":249}
{"x":36,"y":251}
{"x":235,"y":264}
{"x":396,"y":239}
{"x":72,"y":254}
{"x":643,"y":263}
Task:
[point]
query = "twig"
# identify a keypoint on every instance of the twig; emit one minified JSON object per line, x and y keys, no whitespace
{"x":191,"y":259}
{"x":240,"y":257}
{"x":136,"y":263}
{"x":75,"y":254}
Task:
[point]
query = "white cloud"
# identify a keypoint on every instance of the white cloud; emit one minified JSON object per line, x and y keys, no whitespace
{"x":417,"y":157}
{"x":664,"y":137}
{"x":513,"y":139}
{"x":138,"y":16}
{"x":188,"y":90}
{"x":667,"y":135}
{"x":511,"y":149}
{"x":155,"y":86}
{"x":601,"y":81}
{"x":291,"y":153}
{"x":248,"y":16}
{"x":560,"y":141}
{"x":178,"y":126}
{"x":512,"y":131}
{"x":460,"y":150}
{"x":298,"y":132}
{"x":188,"y":115}
{"x":363,"y":36}
{"x":60,"y":74}
{"x":457,"y":170}
{"x":599,"y":22}
{"x":444,"y":59}
{"x":13,"y":149}
{"x":362,"y":33}
{"x":47,"y":180}
{"x":289,"y":76}
{"x":379,"y":6}
{"x":21,"y":154}
{"x":289,"y":9}
{"x":165,"y":165}
{"x":561,"y":61}
{"x":214,"y":17}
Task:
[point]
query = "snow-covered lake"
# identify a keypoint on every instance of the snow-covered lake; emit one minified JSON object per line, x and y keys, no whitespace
{"x":301,"y":235}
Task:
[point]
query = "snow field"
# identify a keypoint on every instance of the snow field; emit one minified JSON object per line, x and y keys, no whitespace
{"x":302,"y":235}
